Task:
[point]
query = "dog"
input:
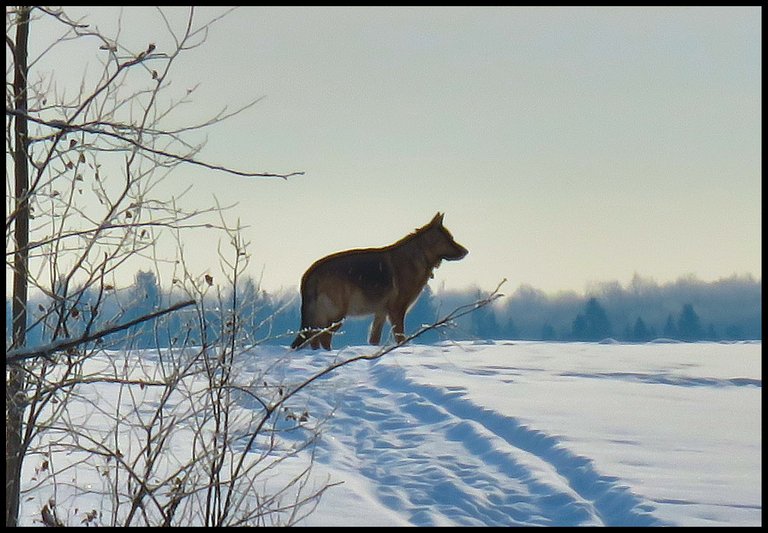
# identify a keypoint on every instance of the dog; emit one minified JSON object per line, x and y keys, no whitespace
{"x":383,"y":282}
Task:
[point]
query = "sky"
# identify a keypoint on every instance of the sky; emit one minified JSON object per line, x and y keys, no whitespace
{"x":564,"y":145}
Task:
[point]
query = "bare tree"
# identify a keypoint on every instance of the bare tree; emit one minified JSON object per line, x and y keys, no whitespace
{"x":14,"y":375}
{"x":185,"y":435}
{"x":83,"y":206}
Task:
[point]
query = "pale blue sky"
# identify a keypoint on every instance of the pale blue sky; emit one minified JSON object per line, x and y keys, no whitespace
{"x":565,"y":145}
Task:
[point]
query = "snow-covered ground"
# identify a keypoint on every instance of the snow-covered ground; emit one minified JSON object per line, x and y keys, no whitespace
{"x":506,"y":433}
{"x":529,"y":433}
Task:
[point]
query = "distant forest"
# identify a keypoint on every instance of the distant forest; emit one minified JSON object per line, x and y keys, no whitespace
{"x":688,"y":309}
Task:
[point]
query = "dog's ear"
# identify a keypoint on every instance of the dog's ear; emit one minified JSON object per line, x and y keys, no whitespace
{"x":438,"y":219}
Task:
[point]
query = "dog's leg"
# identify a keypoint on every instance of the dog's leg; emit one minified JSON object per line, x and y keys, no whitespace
{"x":325,"y":339}
{"x":315,"y":342}
{"x":397,"y":319}
{"x":376,"y":327}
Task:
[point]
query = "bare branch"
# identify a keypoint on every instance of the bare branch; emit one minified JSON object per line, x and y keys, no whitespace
{"x":22,"y":354}
{"x":69,"y":127}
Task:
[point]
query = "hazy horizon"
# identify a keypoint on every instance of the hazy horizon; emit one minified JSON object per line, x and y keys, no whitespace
{"x":566,"y":146}
{"x":506,"y":287}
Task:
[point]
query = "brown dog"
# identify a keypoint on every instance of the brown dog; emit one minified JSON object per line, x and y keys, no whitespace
{"x":383,"y":282}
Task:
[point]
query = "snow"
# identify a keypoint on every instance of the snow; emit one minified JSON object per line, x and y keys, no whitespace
{"x":524,"y":433}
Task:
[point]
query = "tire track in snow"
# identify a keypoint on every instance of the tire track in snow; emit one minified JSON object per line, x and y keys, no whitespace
{"x":438,"y":470}
{"x":436,"y":458}
{"x":528,"y":456}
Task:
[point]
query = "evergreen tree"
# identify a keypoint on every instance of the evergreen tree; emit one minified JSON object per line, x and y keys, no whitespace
{"x":579,"y":328}
{"x":593,"y":325}
{"x":640,"y":332}
{"x":688,"y":324}
{"x":670,"y":330}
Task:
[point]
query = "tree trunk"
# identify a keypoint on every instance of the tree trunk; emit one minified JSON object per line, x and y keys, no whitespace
{"x":14,"y":376}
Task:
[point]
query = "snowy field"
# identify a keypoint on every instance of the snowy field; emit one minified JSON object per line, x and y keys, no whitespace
{"x":523,"y":433}
{"x":529,"y":433}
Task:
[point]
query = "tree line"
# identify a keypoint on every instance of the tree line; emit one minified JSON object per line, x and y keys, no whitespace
{"x":685,"y":310}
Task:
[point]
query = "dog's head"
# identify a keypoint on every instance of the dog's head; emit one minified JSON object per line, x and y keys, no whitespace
{"x":442,"y":242}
